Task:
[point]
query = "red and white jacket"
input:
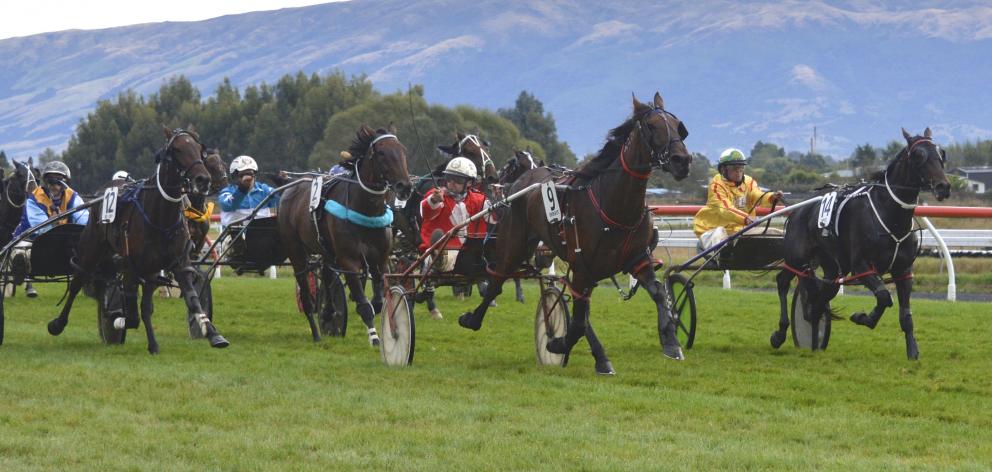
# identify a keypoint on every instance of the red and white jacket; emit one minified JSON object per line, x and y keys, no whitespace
{"x":448,"y":213}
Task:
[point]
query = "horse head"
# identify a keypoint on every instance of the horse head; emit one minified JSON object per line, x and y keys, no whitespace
{"x":183,"y":157}
{"x":476,"y":150}
{"x":380,"y":159}
{"x":20,"y":183}
{"x":921,"y":165}
{"x":217,"y":168}
{"x":663,"y":134}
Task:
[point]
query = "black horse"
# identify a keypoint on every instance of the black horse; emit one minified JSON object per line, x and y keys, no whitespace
{"x":605,"y":228}
{"x":148,"y":235}
{"x":869,"y":234}
{"x":15,"y":189}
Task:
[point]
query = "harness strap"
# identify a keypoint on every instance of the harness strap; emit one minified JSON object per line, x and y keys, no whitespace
{"x":606,"y":218}
{"x":844,"y":280}
{"x":799,"y":273}
{"x":906,"y":276}
{"x":628,"y":170}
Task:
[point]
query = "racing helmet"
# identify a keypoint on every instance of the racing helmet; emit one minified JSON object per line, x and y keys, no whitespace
{"x":732,"y":156}
{"x":242,"y":163}
{"x":461,"y":167}
{"x":56,"y":167}
{"x":121,"y":175}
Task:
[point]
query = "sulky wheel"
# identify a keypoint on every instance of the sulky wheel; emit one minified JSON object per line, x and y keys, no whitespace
{"x":331,"y":304}
{"x":802,"y":330}
{"x":3,"y":290}
{"x":683,"y":305}
{"x":551,"y":321}
{"x":110,"y":306}
{"x":206,"y":294}
{"x":397,"y":330}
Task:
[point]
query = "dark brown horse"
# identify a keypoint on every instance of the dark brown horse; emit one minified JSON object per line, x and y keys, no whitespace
{"x":350,"y":228}
{"x":870,"y":233}
{"x":148,"y":235}
{"x":197,"y":216}
{"x":15,"y":190}
{"x":605,"y":227}
{"x":477,"y":151}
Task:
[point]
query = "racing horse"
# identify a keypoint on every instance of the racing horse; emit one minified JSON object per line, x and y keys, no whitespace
{"x":147,"y":235}
{"x":199,"y":211}
{"x":869,"y":233}
{"x":350,"y":229}
{"x":15,"y":189}
{"x":605,"y":227}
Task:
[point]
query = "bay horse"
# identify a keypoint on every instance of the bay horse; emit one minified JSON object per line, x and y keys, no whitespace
{"x":605,"y":227}
{"x":357,"y":238}
{"x":197,"y":216}
{"x":870,"y":234}
{"x":148,"y":235}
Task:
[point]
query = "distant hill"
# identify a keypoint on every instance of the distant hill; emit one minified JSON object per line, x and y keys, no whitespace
{"x":735,"y":72}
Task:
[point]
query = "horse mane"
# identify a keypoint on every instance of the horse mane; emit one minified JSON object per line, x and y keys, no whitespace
{"x":363,"y":139}
{"x":611,"y":150}
{"x":879,"y":175}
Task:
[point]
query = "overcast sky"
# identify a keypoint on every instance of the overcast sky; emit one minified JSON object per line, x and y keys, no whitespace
{"x":27,"y":17}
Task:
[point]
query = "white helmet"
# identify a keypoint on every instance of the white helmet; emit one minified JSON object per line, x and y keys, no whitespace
{"x":121,"y":175}
{"x":461,"y":166}
{"x":242,"y":163}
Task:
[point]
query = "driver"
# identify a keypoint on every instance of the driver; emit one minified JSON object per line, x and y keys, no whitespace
{"x":732,"y":200}
{"x":443,"y":209}
{"x":240,"y":198}
{"x":53,"y":197}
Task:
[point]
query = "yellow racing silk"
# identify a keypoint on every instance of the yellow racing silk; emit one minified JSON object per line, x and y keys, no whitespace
{"x":42,"y":198}
{"x":195,"y":215}
{"x":727,"y":205}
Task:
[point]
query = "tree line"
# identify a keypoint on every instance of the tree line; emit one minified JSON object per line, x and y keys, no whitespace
{"x":301,"y":122}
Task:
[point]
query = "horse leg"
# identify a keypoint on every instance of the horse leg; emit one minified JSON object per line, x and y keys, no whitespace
{"x":784,"y":281}
{"x":519,"y":290}
{"x":904,"y":287}
{"x":883,"y":300}
{"x":603,"y":364}
{"x":378,"y":288}
{"x":578,"y":325}
{"x":147,"y":291}
{"x":362,"y":305}
{"x":473,"y":319}
{"x":184,"y":277}
{"x":57,"y":325}
{"x":670,"y":346}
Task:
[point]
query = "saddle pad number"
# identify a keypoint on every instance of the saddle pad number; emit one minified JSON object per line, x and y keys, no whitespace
{"x":399,"y":203}
{"x":826,"y":210}
{"x":108,"y":212}
{"x":316,"y":188}
{"x":551,"y":208}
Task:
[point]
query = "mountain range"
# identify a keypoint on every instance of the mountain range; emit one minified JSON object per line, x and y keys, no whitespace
{"x":734,"y":72}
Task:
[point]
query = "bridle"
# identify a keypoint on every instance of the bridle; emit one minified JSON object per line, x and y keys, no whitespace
{"x":922,"y":183}
{"x":165,"y":156}
{"x":27,"y":185}
{"x":368,"y":155}
{"x":659,"y":159}
{"x":486,"y":160}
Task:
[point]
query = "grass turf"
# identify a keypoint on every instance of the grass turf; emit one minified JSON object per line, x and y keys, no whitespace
{"x":476,"y":400}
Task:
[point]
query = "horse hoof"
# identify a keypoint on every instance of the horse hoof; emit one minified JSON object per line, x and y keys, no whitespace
{"x":605,"y":368}
{"x":55,"y":327}
{"x":469,"y":321}
{"x":219,"y":342}
{"x":912,"y":351}
{"x":863,"y":320}
{"x":153,"y":350}
{"x":374,"y":342}
{"x":777,"y":339}
{"x":673,"y":352}
{"x":557,"y":346}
